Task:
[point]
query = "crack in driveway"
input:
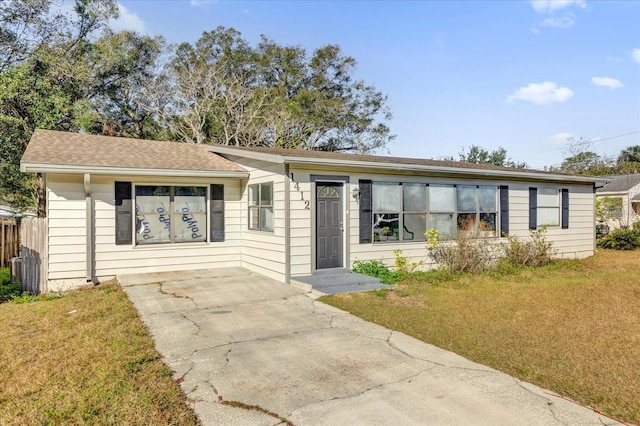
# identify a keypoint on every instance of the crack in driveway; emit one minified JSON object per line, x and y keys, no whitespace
{"x":294,"y":355}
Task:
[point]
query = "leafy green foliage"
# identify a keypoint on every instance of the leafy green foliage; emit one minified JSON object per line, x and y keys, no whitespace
{"x":8,"y":290}
{"x":537,"y":251}
{"x":479,"y":155}
{"x":402,"y":264}
{"x":621,"y":239}
{"x":377,"y":268}
{"x":587,"y":163}
{"x":608,"y":208}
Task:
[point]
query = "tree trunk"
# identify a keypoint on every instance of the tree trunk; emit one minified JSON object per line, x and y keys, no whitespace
{"x":41,"y":196}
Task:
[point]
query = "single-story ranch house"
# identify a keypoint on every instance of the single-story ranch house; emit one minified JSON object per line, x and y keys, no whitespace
{"x":119,"y":205}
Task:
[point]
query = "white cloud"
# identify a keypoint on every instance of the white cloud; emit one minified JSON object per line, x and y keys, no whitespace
{"x":198,"y":3}
{"x":541,"y":93}
{"x":609,"y":82}
{"x":127,"y":21}
{"x":549,"y":6}
{"x":636,"y":55}
{"x":562,"y":22}
{"x":562,"y":137}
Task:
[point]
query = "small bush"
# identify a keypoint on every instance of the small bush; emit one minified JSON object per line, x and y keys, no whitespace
{"x":621,"y":239}
{"x":8,"y":290}
{"x":465,"y":254}
{"x":402,"y":264}
{"x":534,"y":252}
{"x":5,"y":276}
{"x":376,"y":268}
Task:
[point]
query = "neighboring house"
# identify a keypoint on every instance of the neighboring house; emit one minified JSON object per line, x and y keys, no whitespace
{"x":117,"y":205}
{"x":625,"y":188}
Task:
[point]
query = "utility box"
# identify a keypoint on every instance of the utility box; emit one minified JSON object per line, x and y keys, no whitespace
{"x":16,"y":269}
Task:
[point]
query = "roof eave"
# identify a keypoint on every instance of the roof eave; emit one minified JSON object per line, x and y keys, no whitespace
{"x":134,"y":171}
{"x":270,"y":158}
{"x":442,"y":169}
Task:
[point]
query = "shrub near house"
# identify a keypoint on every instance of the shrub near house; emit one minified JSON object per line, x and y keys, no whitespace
{"x":622,"y":239}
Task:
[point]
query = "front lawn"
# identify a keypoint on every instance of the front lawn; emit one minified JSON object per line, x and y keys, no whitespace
{"x":84,"y":358}
{"x":572,"y":327}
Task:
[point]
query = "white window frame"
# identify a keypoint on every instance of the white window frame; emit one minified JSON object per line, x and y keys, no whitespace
{"x":548,"y":200}
{"x":257,"y":207}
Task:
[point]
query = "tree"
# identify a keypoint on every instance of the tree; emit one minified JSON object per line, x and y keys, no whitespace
{"x":629,"y":160}
{"x":479,"y":155}
{"x":231,"y":93}
{"x":630,"y":154}
{"x":587,"y":163}
{"x":43,"y":73}
{"x":122,"y":67}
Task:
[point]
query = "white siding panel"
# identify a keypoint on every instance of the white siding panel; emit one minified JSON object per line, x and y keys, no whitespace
{"x":67,"y":231}
{"x":264,"y":252}
{"x":66,"y":212}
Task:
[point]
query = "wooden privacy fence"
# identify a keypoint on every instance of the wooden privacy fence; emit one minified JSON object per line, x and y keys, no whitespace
{"x":9,"y":240}
{"x":34,"y":255}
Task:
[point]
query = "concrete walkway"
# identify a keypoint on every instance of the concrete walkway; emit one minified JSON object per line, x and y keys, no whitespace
{"x":248,"y":350}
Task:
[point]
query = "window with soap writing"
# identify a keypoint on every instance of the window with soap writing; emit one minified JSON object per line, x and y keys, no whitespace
{"x":170,"y":214}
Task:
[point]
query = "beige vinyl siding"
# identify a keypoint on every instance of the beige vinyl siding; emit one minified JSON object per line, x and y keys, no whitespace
{"x":66,"y":221}
{"x":264,"y":252}
{"x":67,"y":236}
{"x":579,"y":240}
{"x":301,"y":215}
{"x":575,"y":242}
{"x":112,"y":259}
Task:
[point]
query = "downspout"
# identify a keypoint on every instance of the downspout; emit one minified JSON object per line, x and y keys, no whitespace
{"x":89,"y":226}
{"x":287,"y":225}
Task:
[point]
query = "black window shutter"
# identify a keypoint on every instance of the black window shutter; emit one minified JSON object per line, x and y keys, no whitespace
{"x":533,"y":208}
{"x":217,"y":212}
{"x":124,"y":233}
{"x":366,"y":218}
{"x":504,"y":210}
{"x":565,"y":208}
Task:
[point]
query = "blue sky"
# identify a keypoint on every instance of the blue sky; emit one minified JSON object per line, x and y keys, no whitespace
{"x":524,"y":75}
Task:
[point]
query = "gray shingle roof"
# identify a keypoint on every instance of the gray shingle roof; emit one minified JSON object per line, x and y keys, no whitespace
{"x":620,"y":183}
{"x":75,"y":149}
{"x":301,"y":153}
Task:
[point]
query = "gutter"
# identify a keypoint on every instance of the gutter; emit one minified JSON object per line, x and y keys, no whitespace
{"x":89,"y":226}
{"x":108,"y":170}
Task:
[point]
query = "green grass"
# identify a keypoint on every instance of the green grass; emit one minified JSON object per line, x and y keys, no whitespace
{"x":84,"y":358}
{"x":572,"y":327}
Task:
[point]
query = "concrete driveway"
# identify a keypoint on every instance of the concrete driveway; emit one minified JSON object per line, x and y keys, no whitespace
{"x":248,"y":350}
